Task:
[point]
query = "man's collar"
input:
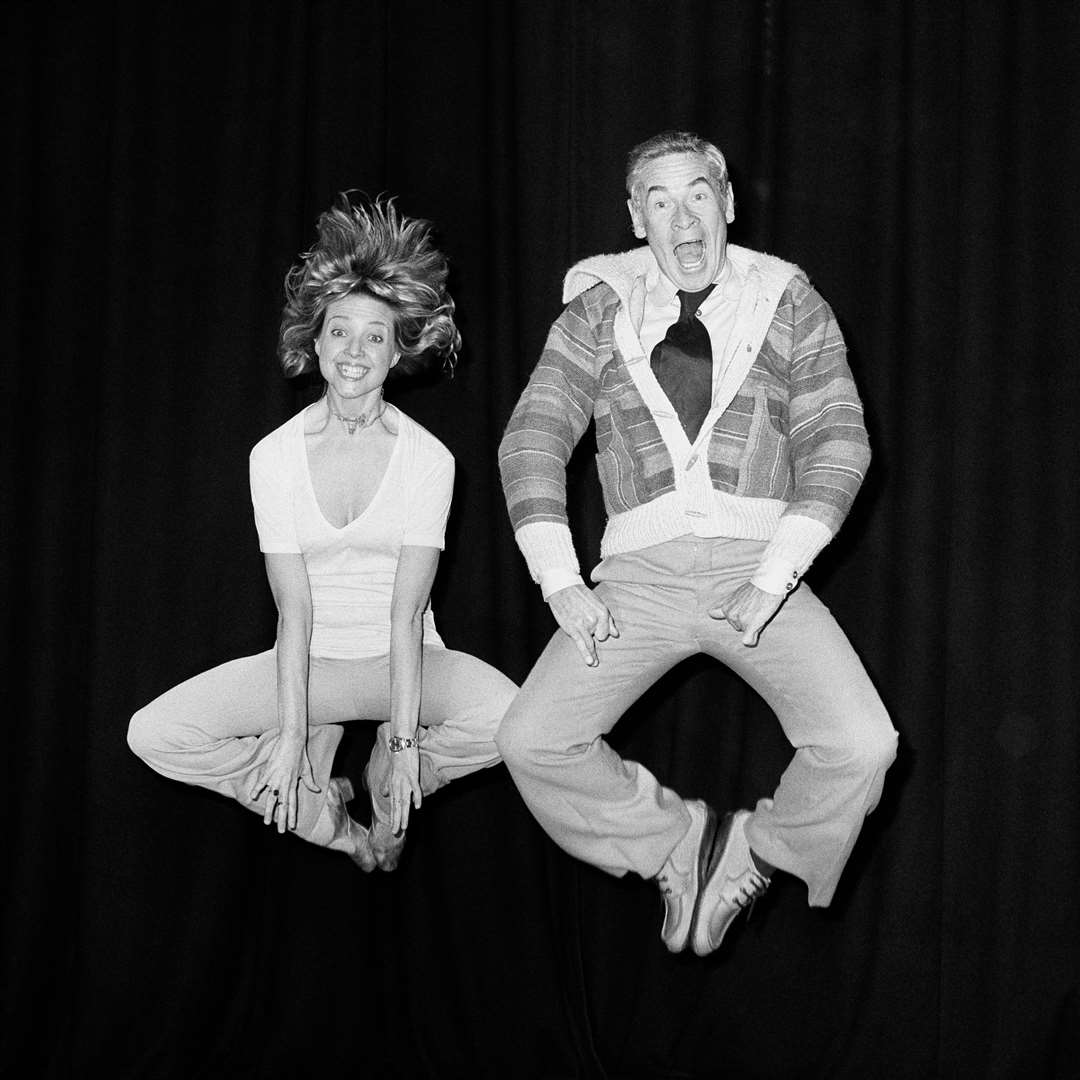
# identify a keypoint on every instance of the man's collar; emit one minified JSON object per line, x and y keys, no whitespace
{"x":661,"y":289}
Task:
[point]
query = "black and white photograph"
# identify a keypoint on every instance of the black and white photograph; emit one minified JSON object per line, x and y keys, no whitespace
{"x":541,"y":540}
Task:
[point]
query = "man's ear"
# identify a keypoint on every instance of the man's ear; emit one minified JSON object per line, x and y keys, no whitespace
{"x":636,"y":218}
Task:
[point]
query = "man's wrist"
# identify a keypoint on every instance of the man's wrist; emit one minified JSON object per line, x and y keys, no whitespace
{"x":398,"y":743}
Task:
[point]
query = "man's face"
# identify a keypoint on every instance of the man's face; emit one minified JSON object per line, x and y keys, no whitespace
{"x":678,"y":209}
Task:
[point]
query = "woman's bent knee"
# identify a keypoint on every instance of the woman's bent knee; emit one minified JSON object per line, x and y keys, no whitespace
{"x":501,"y":701}
{"x":140,"y":738}
{"x":146,"y":735}
{"x":506,"y":740}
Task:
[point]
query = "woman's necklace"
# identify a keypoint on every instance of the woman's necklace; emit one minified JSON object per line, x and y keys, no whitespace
{"x":353,"y":424}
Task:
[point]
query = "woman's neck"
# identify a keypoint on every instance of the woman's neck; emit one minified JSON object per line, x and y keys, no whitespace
{"x":355,"y":414}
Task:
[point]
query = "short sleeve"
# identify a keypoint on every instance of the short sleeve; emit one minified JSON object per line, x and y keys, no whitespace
{"x":271,"y":499}
{"x":429,"y":501}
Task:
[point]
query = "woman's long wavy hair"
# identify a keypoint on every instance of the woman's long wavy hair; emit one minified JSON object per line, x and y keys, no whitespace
{"x":368,"y":247}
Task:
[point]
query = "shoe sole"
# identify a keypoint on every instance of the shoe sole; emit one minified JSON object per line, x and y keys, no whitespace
{"x":704,"y":858}
{"x":723,"y":835}
{"x":346,"y":793}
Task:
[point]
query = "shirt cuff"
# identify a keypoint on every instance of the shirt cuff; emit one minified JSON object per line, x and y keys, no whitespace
{"x":789,"y":553}
{"x":548,"y":548}
{"x":776,"y":576}
{"x":551,"y":581}
{"x":280,"y":547}
{"x":435,"y":540}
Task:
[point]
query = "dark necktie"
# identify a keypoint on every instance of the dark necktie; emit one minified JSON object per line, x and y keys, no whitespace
{"x":682,"y":363}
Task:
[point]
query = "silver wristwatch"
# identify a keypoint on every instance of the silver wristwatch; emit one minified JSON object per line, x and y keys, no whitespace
{"x":397,"y":744}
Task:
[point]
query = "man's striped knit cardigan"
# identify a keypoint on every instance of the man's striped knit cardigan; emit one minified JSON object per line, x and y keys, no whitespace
{"x":780,"y":455}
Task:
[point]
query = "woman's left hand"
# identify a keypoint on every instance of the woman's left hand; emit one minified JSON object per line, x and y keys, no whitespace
{"x":404,"y":787}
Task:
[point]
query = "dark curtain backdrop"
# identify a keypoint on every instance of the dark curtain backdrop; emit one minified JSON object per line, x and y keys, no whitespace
{"x":164,"y":165}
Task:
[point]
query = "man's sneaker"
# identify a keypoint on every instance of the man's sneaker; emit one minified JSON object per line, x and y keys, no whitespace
{"x":732,"y":882}
{"x":682,"y":874}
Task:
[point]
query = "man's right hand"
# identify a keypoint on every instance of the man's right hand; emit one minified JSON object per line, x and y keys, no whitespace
{"x":585,"y":617}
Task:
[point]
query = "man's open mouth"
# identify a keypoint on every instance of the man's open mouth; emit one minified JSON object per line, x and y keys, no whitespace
{"x":690,"y":254}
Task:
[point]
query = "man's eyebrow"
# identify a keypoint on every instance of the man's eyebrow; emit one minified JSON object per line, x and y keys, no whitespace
{"x":661,"y":187}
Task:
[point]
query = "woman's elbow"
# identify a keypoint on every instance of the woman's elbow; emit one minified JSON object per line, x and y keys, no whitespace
{"x":294,"y":623}
{"x":407,"y":617}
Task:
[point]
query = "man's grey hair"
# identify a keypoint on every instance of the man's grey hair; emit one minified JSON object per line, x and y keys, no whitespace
{"x":675,"y":142}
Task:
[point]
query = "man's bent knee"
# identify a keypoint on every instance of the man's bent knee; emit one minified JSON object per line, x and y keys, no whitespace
{"x":875,"y":747}
{"x":519,"y":739}
{"x":510,"y":740}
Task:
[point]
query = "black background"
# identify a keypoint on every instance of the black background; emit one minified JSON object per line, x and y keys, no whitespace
{"x":166,"y":163}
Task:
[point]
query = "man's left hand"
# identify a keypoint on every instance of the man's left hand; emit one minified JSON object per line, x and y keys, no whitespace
{"x":749,"y":610}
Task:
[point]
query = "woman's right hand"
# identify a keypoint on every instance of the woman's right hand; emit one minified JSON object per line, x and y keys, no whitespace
{"x":280,"y":779}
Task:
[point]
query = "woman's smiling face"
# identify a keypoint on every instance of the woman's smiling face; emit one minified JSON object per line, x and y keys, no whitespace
{"x":356,"y":346}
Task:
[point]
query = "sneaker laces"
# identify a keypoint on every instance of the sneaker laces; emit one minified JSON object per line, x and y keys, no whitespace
{"x":669,"y":878}
{"x":752,"y":888}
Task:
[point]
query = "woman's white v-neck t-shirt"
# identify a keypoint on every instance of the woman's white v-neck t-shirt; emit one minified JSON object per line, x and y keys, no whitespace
{"x":351,"y":570}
